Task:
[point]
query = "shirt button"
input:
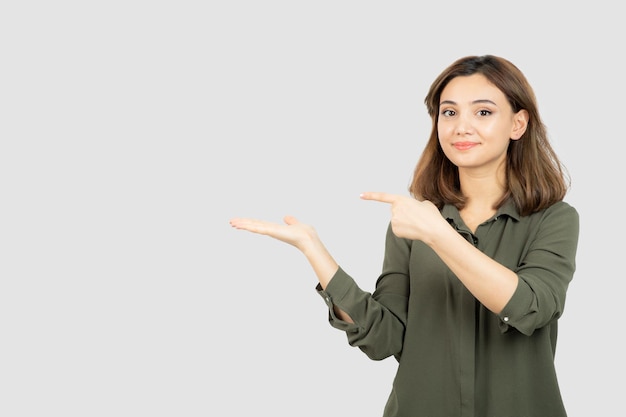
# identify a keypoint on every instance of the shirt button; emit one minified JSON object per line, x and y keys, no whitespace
{"x":505,"y":319}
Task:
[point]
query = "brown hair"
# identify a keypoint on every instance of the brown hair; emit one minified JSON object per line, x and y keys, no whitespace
{"x":535,"y":178}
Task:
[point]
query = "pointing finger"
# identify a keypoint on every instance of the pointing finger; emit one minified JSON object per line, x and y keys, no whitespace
{"x":382,"y":197}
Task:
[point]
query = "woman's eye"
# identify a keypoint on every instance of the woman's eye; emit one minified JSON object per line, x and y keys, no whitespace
{"x":448,"y":113}
{"x":484,"y":112}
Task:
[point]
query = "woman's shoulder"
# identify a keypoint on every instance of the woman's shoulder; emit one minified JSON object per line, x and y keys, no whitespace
{"x":562,"y":207}
{"x":559,"y":214}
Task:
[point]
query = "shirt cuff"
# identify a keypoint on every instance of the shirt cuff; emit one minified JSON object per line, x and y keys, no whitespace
{"x":337,"y":288}
{"x":521,"y":305}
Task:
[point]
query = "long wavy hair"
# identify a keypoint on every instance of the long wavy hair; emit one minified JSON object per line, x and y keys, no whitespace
{"x":535,"y":178}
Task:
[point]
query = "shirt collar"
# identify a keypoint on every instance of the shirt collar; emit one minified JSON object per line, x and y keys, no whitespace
{"x":451,"y":213}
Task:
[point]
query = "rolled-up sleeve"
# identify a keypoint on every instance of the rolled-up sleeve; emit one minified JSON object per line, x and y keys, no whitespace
{"x":544,"y":273}
{"x":379,"y":318}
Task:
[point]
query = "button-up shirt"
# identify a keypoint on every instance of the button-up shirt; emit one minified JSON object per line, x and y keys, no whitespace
{"x":455,"y":357}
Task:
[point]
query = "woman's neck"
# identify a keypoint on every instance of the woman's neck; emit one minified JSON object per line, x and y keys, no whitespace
{"x":482,"y":193}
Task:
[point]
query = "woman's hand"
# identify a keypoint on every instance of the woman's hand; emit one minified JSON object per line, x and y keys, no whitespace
{"x":303,"y":237}
{"x":293,"y":232}
{"x":410,"y":218}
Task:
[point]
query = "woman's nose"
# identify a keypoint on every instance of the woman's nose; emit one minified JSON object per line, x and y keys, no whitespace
{"x":462,"y":126}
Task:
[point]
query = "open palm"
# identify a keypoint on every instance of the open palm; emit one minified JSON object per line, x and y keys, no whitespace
{"x":292,"y":232}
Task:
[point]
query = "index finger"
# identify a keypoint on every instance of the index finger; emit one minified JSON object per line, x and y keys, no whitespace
{"x":382,"y":197}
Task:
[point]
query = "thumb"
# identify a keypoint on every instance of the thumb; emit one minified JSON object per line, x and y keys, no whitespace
{"x":289,"y":220}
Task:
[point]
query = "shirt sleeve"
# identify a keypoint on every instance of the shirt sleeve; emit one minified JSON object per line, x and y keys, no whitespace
{"x":379,"y":318}
{"x":544,"y":272}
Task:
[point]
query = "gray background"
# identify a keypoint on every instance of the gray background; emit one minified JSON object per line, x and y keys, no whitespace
{"x":133,"y":131}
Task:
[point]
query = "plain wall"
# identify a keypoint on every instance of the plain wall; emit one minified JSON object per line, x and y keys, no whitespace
{"x":133,"y":131}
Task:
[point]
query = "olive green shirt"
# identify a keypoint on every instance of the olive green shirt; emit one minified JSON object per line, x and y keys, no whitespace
{"x":455,"y":357}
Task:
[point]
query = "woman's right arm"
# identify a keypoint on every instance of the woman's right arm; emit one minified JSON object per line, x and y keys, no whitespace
{"x":305,"y":239}
{"x":373,"y":322}
{"x":379,"y":319}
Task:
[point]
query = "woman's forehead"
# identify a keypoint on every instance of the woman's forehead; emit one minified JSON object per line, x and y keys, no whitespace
{"x":470,"y":89}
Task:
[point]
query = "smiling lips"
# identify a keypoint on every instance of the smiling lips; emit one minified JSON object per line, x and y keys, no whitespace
{"x":463,"y":146}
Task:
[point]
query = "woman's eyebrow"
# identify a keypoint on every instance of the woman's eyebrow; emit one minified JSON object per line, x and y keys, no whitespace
{"x":481,"y":101}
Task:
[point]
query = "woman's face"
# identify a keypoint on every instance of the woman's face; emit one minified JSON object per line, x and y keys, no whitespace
{"x":476,"y":123}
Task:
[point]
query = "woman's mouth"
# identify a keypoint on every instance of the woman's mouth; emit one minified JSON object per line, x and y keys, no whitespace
{"x":463,"y":146}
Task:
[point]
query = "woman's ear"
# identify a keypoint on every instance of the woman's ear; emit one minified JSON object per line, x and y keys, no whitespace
{"x":520,"y":123}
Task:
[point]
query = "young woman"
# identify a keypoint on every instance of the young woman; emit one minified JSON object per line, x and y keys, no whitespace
{"x":477,"y":259}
